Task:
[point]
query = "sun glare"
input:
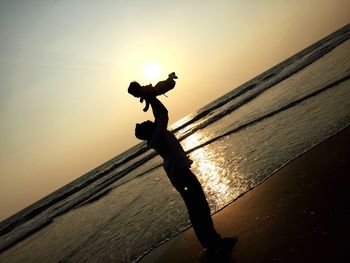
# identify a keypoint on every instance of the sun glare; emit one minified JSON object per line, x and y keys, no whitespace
{"x":152,"y":71}
{"x":210,"y":170}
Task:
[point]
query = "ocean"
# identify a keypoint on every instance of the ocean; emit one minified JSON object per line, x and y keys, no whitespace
{"x":127,"y":206}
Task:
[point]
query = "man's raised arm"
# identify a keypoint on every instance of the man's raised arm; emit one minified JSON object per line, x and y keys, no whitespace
{"x":160,"y":114}
{"x":157,"y":107}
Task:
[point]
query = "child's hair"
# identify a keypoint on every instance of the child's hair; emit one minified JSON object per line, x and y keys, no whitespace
{"x":134,"y":88}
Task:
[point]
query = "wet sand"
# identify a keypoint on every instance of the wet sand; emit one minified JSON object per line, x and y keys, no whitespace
{"x":300,"y":214}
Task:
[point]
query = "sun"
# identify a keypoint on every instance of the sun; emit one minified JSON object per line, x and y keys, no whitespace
{"x":152,"y":71}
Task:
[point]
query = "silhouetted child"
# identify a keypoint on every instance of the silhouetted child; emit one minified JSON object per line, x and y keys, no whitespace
{"x":148,"y":91}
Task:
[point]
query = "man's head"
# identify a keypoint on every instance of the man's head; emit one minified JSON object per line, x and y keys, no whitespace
{"x":144,"y":130}
{"x":134,"y":89}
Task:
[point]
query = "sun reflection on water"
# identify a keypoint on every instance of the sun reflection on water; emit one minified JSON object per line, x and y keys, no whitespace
{"x":209,"y":167}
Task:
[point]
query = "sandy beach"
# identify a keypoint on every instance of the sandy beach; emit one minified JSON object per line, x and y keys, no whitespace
{"x":299,"y":214}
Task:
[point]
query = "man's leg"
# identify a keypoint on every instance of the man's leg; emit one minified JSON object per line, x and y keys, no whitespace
{"x":198,"y":209}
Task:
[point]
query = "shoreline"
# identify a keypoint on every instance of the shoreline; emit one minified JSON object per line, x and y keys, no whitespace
{"x":298,"y":214}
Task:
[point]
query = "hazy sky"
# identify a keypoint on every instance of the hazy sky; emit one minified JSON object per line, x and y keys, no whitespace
{"x":65,"y":67}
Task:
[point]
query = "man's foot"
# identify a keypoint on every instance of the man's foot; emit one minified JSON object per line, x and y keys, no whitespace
{"x":221,"y":252}
{"x":172,"y":75}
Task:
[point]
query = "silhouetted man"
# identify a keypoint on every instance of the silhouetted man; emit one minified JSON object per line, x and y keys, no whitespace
{"x":177,"y":167}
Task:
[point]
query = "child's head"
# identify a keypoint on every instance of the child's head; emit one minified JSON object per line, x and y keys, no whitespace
{"x":134,"y":89}
{"x":143,"y":131}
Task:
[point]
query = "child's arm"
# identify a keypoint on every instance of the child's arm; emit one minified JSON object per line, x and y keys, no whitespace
{"x":144,"y":95}
{"x":145,"y":109}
